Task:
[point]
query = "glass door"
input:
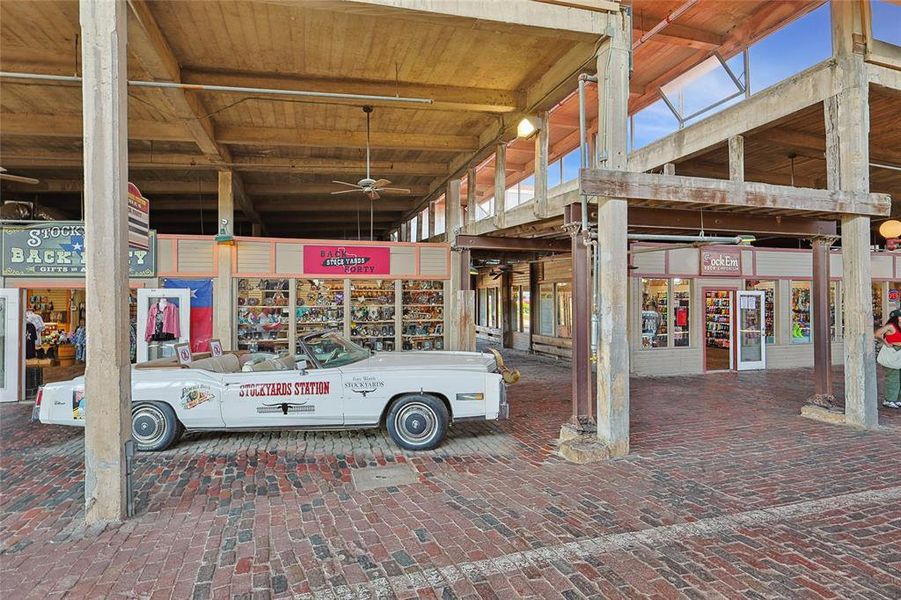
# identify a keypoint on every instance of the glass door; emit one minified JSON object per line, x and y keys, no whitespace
{"x":10,"y":340}
{"x":751,"y":331}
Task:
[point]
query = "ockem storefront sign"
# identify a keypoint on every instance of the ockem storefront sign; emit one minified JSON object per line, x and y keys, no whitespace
{"x":720,"y":261}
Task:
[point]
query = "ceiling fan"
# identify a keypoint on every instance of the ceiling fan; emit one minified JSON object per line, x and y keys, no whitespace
{"x":5,"y":176}
{"x":501,"y":269}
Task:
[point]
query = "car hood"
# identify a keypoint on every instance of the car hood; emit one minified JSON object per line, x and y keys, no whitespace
{"x":460,"y":361}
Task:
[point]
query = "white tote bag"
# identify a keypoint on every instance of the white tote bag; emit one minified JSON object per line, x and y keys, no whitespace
{"x":889,"y":357}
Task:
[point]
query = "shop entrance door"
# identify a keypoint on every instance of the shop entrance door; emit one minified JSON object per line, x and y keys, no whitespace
{"x":751,"y":332}
{"x":718,"y":334}
{"x":10,"y":343}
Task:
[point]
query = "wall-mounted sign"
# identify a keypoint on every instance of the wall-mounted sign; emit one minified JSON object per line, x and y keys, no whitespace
{"x":138,"y":219}
{"x":720,"y":261}
{"x":346,"y":260}
{"x":57,"y":249}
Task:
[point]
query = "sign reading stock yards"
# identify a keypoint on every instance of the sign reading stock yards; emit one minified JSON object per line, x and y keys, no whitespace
{"x":57,"y":249}
{"x":346,"y":260}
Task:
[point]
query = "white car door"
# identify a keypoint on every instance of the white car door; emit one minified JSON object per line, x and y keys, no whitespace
{"x":311,"y":398}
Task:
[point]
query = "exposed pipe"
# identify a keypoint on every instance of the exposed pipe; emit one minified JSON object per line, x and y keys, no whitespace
{"x":225,"y":88}
{"x":583,"y":154}
{"x":678,"y":12}
{"x":650,"y":237}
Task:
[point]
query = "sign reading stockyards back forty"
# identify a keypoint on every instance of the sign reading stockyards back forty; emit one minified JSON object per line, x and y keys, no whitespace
{"x":56,"y":249}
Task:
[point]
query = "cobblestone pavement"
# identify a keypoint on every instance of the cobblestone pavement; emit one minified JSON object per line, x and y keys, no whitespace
{"x":727,"y":493}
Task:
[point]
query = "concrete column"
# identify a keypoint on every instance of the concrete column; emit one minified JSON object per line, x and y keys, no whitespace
{"x":460,"y":327}
{"x":541,"y":158}
{"x":506,"y":301}
{"x":223,"y":313}
{"x":613,"y":342}
{"x":472,"y":211}
{"x":108,"y":373}
{"x":847,"y":118}
{"x":500,"y":185}
{"x":582,"y":417}
{"x":737,"y":158}
{"x":822,"y":342}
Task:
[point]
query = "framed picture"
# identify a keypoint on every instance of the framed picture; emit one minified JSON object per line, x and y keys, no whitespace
{"x":215,"y":347}
{"x":183,"y":351}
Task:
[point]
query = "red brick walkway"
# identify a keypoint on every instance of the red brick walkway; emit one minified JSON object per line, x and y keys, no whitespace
{"x":727,"y":493}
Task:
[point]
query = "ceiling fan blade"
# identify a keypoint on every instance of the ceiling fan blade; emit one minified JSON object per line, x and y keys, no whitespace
{"x":346,"y":191}
{"x":346,"y":183}
{"x":382,"y":183}
{"x":397,"y":190}
{"x":374,"y":195}
{"x":19,"y":178}
{"x":2,"y":170}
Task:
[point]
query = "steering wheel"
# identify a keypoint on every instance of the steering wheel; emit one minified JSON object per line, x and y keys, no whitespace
{"x":329,"y":357}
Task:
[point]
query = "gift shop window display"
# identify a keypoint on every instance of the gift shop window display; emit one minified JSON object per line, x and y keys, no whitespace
{"x":54,"y":334}
{"x":263,"y":315}
{"x":163,"y":321}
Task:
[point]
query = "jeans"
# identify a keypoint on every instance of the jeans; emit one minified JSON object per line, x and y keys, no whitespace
{"x":892,"y":384}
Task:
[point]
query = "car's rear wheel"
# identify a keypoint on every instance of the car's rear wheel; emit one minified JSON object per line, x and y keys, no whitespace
{"x":154,"y":426}
{"x":417,"y":422}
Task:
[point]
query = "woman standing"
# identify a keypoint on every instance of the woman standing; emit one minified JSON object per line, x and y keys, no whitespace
{"x":890,"y":336}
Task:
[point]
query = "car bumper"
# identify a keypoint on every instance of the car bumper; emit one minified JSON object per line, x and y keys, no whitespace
{"x":35,"y":414}
{"x":503,"y":411}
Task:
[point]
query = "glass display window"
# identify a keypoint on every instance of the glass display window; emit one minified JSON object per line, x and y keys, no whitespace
{"x":423,"y":315}
{"x":546,"y":309}
{"x":525,"y":307}
{"x":492,"y":308}
{"x":319,"y":305}
{"x":654,"y":313}
{"x":681,"y":313}
{"x":263,"y":315}
{"x":483,"y":307}
{"x":564,"y":296}
{"x":800,"y":312}
{"x":877,"y":305}
{"x":769,"y":290}
{"x":372,"y":313}
{"x":894,"y":295}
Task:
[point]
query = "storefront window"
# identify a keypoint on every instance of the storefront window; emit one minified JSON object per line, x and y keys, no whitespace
{"x":517,"y":314}
{"x":894,"y":296}
{"x":263,"y":315}
{"x":877,"y":305}
{"x":526,"y":308}
{"x":546,"y":309}
{"x":654,"y":312}
{"x":492,"y":307}
{"x":564,"y":310}
{"x":800,"y":312}
{"x":681,"y":312}
{"x":833,"y":306}
{"x":483,"y":307}
{"x":769,"y":299}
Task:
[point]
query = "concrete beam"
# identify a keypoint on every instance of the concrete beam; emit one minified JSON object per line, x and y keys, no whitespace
{"x":108,"y":372}
{"x":701,"y":191}
{"x":223,"y":312}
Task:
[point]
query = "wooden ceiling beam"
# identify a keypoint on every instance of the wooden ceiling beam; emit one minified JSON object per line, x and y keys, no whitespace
{"x":28,"y":159}
{"x":509,"y":16}
{"x":327,"y":138}
{"x":444,"y":97}
{"x":148,"y":44}
{"x":147,"y":187}
{"x":70,"y":126}
{"x":676,"y":34}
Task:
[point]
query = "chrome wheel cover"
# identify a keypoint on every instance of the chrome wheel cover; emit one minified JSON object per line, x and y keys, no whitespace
{"x":148,"y":425}
{"x":416,"y":423}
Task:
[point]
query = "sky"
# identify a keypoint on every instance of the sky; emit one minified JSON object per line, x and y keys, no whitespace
{"x":780,"y":55}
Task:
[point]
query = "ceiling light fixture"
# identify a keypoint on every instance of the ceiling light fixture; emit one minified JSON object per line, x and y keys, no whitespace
{"x":525,"y":129}
{"x":890,"y":229}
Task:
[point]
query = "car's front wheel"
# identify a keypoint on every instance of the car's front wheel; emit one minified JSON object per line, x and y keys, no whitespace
{"x":154,"y":426}
{"x":417,"y":421}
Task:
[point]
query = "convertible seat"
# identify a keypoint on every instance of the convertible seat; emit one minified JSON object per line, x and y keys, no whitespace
{"x":227,"y":363}
{"x":285,"y":363}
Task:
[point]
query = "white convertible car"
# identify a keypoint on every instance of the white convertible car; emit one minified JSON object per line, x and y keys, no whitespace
{"x":332,"y":384}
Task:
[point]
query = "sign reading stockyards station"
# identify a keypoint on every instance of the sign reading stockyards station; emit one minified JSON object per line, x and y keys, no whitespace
{"x":56,"y":249}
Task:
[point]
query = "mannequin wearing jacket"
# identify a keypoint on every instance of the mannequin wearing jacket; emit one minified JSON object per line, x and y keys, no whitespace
{"x":162,"y":322}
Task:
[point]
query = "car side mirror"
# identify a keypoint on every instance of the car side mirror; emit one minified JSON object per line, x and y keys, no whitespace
{"x":301,"y":363}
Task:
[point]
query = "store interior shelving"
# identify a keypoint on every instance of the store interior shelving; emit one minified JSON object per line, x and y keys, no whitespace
{"x":373,"y":322}
{"x":718,"y":311}
{"x":319,"y":304}
{"x":423,"y":315}
{"x":263,"y":315}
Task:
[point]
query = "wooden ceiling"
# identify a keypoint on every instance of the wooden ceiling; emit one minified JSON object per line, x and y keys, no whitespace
{"x":481,"y":76}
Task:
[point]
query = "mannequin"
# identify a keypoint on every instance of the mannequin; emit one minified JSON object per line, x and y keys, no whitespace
{"x":162,"y":322}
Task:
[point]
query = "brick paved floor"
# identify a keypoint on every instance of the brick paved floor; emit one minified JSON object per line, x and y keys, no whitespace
{"x":727,"y":493}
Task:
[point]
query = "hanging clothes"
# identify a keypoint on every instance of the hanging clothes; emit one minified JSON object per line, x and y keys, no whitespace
{"x":31,"y":336}
{"x":161,"y":322}
{"x":80,"y":341}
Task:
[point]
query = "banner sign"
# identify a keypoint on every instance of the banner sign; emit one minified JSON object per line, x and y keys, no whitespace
{"x":56,"y":249}
{"x":138,"y":219}
{"x":346,"y":260}
{"x":720,"y":261}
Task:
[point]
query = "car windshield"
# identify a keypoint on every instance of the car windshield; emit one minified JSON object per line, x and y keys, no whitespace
{"x":332,"y":350}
